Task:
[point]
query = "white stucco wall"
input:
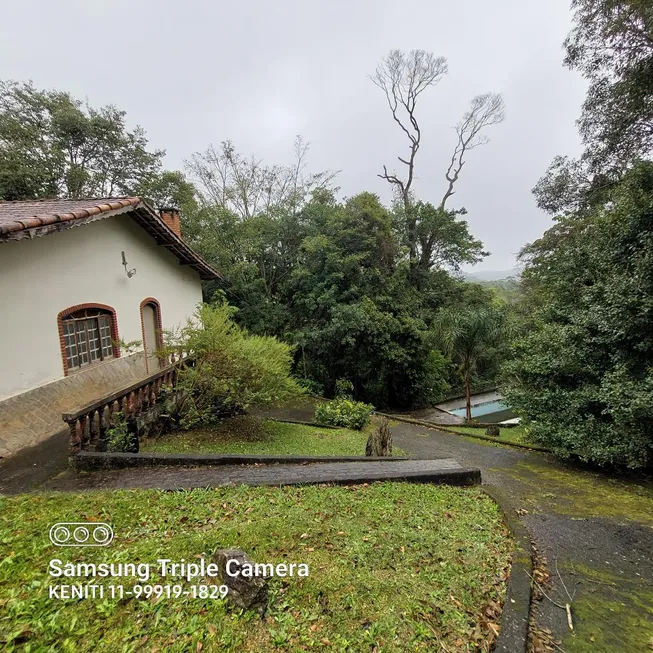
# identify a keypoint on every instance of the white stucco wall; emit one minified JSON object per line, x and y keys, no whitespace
{"x":41,"y":277}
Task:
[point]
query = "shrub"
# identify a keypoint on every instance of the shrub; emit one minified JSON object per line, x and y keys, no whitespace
{"x":119,"y":439}
{"x":231,"y":371}
{"x":344,"y":388}
{"x":311,"y":387}
{"x":344,"y":412}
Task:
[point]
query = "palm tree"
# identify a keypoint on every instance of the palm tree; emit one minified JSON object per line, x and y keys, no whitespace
{"x":466,"y":336}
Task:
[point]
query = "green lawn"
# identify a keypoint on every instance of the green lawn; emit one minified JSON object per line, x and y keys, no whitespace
{"x":251,"y":435}
{"x":392,"y":567}
{"x":514,"y":434}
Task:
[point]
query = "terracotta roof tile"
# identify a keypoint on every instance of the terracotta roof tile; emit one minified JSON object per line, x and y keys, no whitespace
{"x":16,"y":217}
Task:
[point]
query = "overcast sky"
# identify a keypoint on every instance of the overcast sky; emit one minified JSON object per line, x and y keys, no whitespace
{"x":259,"y":73}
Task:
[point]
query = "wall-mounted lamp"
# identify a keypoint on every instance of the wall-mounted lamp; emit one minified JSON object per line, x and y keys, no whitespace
{"x":130,"y":273}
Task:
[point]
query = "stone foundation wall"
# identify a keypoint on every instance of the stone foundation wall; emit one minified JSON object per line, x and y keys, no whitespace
{"x":33,"y":416}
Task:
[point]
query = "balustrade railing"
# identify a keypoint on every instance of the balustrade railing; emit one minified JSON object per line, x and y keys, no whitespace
{"x":89,"y":425}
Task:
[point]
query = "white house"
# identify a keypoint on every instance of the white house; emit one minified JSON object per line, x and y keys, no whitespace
{"x":76,"y":278}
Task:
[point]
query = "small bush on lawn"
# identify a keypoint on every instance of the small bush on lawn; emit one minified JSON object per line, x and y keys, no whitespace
{"x":344,"y":412}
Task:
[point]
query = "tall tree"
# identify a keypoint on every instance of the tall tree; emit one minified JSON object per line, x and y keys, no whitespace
{"x":353,"y":316}
{"x":611,"y":45}
{"x":247,"y":187}
{"x":170,"y":188}
{"x":52,"y":145}
{"x":403,"y":78}
{"x":468,"y":336}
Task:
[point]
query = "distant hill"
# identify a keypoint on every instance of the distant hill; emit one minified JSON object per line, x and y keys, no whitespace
{"x":507,"y":289}
{"x":490,"y":275}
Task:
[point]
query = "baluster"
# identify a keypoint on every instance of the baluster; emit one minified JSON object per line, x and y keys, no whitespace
{"x":124,"y":406}
{"x":95,"y":427}
{"x":85,"y":431}
{"x":105,"y":421}
{"x":75,"y":436}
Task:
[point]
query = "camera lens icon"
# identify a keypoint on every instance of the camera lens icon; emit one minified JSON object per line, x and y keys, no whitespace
{"x":81,"y":534}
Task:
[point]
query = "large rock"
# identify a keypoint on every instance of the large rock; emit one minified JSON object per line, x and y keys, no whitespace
{"x":492,"y":430}
{"x":244,"y":592}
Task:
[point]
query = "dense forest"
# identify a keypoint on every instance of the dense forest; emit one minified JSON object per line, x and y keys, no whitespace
{"x":372,"y":293}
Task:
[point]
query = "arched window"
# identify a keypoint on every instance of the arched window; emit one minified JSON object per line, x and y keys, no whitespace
{"x":89,"y":335}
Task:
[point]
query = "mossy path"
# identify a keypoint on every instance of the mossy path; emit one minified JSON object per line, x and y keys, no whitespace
{"x":594,"y":531}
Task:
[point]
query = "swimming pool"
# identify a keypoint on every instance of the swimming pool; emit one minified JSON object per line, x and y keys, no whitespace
{"x":490,"y":411}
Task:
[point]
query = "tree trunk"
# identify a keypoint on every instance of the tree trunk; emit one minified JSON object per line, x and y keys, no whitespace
{"x":468,"y":397}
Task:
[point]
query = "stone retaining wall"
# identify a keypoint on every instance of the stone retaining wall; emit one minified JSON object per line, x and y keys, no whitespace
{"x":33,"y":416}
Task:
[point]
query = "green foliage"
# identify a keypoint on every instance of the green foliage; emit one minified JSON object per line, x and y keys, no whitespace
{"x":470,"y":336}
{"x":611,"y":45}
{"x":344,"y":412}
{"x":170,"y":189}
{"x":506,"y":291}
{"x":312,"y":387}
{"x":232,"y":370}
{"x":332,"y":280}
{"x":582,"y":375}
{"x":344,"y":388}
{"x":443,"y":239}
{"x":52,"y":145}
{"x":119,"y":437}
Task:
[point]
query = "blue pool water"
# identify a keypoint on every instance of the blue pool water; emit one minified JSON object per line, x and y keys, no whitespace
{"x":483,"y":410}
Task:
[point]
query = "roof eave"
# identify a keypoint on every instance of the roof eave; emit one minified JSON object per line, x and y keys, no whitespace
{"x":148,"y":219}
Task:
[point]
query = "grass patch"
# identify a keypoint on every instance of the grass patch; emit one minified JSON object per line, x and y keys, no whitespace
{"x":609,"y":598}
{"x":393,"y":567}
{"x":583,"y":493}
{"x":257,"y":436}
{"x":512,"y":435}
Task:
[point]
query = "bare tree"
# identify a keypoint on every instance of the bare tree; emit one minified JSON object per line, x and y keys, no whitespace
{"x":247,"y":186}
{"x":485,"y":110}
{"x":403,"y":78}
